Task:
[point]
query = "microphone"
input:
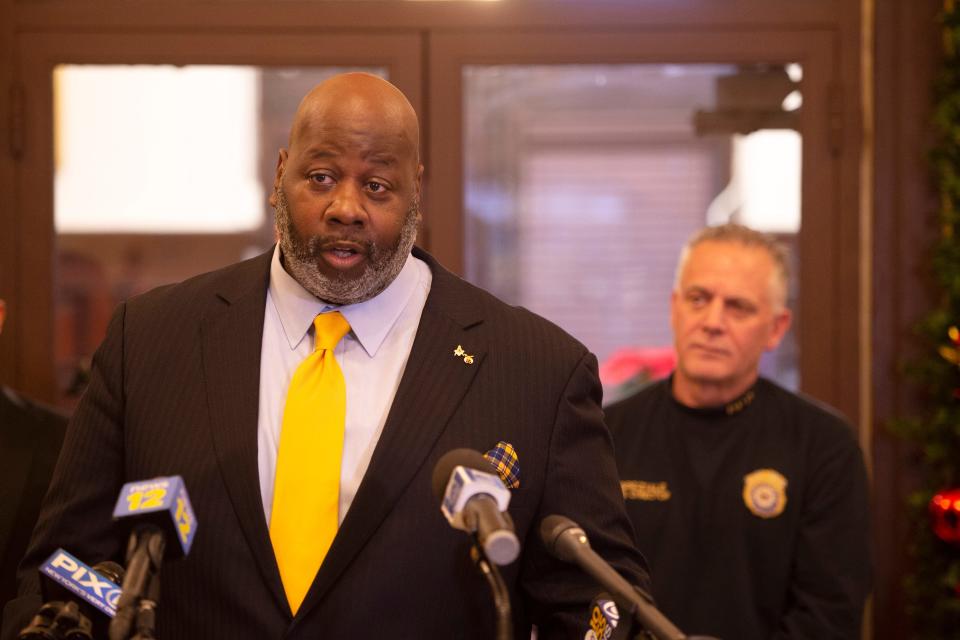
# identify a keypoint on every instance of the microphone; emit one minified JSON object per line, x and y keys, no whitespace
{"x":58,"y":621}
{"x":79,"y":600}
{"x":158,"y":512}
{"x":564,"y":539}
{"x":605,"y":620}
{"x":474,"y":499}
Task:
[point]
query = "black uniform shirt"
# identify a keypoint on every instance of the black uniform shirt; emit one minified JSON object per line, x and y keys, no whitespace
{"x":753,"y":516}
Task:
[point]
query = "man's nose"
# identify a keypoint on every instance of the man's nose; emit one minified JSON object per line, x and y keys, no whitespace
{"x":347,"y":206}
{"x":713,"y":316}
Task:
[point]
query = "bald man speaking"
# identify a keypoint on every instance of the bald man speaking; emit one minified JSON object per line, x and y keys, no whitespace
{"x":306,"y":395}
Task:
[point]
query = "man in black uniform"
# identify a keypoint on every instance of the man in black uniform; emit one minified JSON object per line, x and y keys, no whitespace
{"x":749,"y":501}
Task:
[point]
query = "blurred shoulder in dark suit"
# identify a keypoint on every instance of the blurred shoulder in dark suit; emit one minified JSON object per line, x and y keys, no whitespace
{"x":30,"y":439}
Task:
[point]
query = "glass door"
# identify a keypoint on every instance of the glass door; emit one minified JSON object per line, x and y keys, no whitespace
{"x":587,"y":160}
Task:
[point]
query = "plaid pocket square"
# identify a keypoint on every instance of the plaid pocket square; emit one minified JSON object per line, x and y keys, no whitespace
{"x":504,"y":458}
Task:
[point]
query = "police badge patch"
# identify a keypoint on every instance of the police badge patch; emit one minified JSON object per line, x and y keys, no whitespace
{"x":765,"y":493}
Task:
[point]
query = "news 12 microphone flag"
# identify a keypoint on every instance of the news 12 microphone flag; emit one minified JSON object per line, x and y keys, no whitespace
{"x":163,"y":501}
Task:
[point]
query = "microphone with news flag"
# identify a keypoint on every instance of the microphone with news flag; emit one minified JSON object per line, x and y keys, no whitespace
{"x":566,"y":540}
{"x":605,"y":620}
{"x":162,"y":526}
{"x":474,"y":499}
{"x":79,"y":600}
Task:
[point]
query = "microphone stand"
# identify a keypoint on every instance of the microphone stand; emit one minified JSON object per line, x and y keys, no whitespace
{"x":144,"y":557}
{"x":501,"y":596}
{"x":147,"y":610}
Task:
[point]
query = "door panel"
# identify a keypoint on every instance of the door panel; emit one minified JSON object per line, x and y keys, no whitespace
{"x":817,"y":243}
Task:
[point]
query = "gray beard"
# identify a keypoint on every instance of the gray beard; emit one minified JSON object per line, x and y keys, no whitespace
{"x":300,"y":258}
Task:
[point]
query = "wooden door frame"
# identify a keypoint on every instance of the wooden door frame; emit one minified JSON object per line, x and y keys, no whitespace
{"x":822,"y":292}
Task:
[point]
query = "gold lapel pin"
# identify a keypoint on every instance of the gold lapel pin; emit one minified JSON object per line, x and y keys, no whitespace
{"x":460,"y":353}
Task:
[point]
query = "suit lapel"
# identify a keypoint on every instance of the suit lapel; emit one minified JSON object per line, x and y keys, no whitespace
{"x":433,"y":384}
{"x":231,"y":335}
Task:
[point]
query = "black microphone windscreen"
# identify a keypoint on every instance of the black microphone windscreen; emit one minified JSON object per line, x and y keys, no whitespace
{"x":110,"y":570}
{"x":551,"y":528}
{"x":457,"y":458}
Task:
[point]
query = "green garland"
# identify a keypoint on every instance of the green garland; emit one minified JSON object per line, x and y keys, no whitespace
{"x":932,"y":588}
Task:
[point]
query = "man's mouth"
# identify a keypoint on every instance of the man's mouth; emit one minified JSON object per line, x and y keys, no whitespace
{"x":709,"y":351}
{"x":343,"y":255}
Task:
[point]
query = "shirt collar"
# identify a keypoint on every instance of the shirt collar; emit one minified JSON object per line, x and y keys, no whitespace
{"x":370,"y":321}
{"x":732,"y":408}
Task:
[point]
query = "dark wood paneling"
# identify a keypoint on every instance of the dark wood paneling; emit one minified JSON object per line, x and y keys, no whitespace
{"x":904,"y":225}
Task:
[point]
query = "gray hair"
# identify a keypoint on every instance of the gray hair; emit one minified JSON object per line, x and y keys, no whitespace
{"x":745,"y":236}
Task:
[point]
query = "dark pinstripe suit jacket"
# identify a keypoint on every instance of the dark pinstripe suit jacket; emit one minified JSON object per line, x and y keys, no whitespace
{"x":174,"y":391}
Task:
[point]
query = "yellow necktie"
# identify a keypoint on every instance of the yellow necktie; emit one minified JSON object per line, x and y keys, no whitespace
{"x":306,"y":491}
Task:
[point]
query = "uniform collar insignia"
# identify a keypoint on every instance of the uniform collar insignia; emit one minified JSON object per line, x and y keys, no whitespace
{"x":741,"y":403}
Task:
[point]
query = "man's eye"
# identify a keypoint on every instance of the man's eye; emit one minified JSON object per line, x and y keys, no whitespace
{"x":740,"y":309}
{"x":376,"y":187}
{"x":320,"y":178}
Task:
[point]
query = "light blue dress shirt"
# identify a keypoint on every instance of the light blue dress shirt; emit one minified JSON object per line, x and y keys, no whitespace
{"x":372,"y":356}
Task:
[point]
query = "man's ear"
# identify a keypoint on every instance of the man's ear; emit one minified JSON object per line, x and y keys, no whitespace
{"x":781,"y":324}
{"x":278,"y":176}
{"x":418,"y":182}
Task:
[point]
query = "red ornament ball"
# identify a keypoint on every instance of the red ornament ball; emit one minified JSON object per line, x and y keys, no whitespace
{"x":945,"y":515}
